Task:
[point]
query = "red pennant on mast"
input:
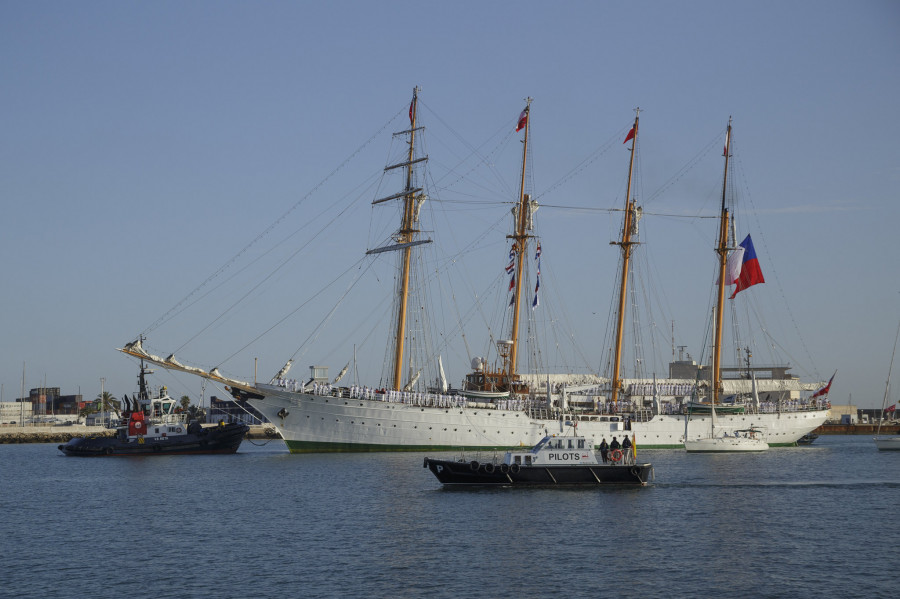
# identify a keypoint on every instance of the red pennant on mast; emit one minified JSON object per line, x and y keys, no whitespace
{"x":824,"y":390}
{"x":523,"y":120}
{"x":630,"y":134}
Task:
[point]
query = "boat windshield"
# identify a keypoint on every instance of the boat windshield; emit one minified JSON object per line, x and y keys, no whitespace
{"x":540,"y":444}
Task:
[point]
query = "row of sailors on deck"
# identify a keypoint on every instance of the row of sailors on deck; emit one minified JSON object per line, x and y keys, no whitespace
{"x":289,"y":384}
{"x":440,"y":400}
{"x":793,"y":405}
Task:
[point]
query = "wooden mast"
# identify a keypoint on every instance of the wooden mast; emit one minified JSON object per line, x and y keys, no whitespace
{"x":520,"y":242}
{"x":722,"y":250}
{"x":626,"y":245}
{"x":405,"y":236}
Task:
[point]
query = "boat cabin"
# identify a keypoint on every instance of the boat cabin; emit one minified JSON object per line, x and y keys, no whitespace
{"x":555,"y":451}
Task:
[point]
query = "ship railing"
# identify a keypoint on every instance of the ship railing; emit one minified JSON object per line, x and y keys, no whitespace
{"x":480,"y":456}
{"x":627,"y":457}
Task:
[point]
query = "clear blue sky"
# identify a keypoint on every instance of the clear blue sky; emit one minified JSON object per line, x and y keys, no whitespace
{"x":145,"y":143}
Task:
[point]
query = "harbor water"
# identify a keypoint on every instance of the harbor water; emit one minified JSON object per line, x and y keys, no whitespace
{"x":815,"y":521}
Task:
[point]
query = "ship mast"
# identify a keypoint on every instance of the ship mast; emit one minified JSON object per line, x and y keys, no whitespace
{"x":722,"y":251}
{"x":405,"y":236}
{"x":626,"y":245}
{"x":412,"y":201}
{"x":520,"y":242}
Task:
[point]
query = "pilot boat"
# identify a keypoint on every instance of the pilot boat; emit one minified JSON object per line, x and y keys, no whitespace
{"x":554,"y":460}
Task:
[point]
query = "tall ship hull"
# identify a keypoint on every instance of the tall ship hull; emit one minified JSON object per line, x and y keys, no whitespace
{"x":316,"y":423}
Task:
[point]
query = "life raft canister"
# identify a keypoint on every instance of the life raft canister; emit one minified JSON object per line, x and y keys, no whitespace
{"x":137,"y":425}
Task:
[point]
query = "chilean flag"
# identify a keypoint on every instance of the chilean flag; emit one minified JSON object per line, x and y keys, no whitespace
{"x":750,"y":271}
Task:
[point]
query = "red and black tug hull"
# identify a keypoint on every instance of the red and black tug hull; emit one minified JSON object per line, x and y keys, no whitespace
{"x":451,"y":472}
{"x":223,"y":439}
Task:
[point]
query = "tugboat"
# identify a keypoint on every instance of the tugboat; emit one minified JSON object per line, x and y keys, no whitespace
{"x":153,"y":427}
{"x":553,"y":461}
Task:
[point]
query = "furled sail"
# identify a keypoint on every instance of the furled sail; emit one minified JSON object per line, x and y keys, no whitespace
{"x":341,"y":374}
{"x":412,"y":382}
{"x":283,"y":371}
{"x":444,"y":385}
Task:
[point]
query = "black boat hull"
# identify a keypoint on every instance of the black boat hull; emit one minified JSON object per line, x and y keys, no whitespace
{"x":221,"y":439}
{"x":472,"y":473}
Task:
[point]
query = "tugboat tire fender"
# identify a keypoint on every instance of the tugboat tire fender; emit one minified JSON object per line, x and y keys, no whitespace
{"x":489,"y":468}
{"x":514,"y":468}
{"x":504,"y":468}
{"x":635,"y":471}
{"x":473,"y":465}
{"x":108,"y":451}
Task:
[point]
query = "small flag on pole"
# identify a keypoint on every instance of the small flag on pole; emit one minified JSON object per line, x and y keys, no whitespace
{"x":523,"y":120}
{"x":824,"y":390}
{"x":537,"y":286}
{"x":630,"y":134}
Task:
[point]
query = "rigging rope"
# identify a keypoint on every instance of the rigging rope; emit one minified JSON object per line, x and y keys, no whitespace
{"x":165,"y":317}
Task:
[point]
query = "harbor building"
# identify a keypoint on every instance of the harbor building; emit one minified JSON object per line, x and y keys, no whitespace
{"x":15,"y":412}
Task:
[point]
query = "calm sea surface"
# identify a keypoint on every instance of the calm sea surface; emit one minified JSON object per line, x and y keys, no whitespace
{"x":793,"y":522}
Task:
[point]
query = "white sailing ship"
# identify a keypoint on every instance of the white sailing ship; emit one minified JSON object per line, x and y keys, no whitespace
{"x":499,"y":408}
